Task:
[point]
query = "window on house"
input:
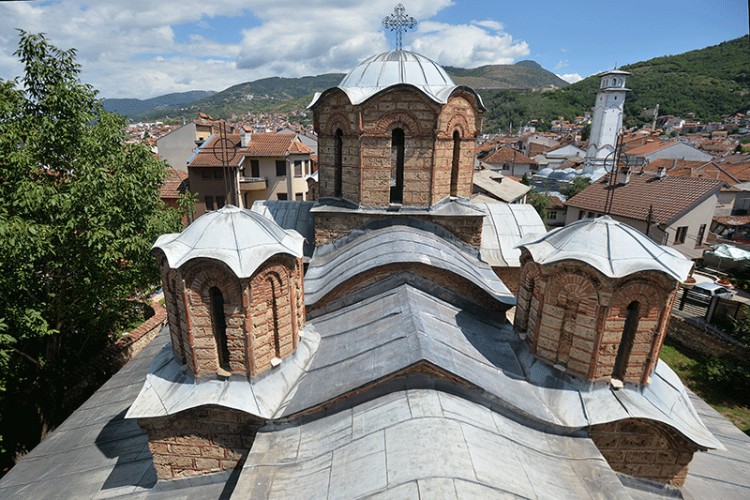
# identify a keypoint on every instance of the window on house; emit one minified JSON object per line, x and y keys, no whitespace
{"x":552,"y":214}
{"x":299,"y":197}
{"x":680,"y":235}
{"x":506,"y":166}
{"x":219,"y":173}
{"x":281,"y":196}
{"x":219,"y":201}
{"x":298,"y":168}
{"x":206,"y":174}
{"x":255,"y":168}
{"x":209,"y":200}
{"x":581,"y":214}
{"x":280,"y":168}
{"x":701,"y":233}
{"x":397,"y":165}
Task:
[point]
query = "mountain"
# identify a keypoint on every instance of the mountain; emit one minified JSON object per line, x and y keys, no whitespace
{"x":524,"y":75}
{"x":294,"y":94}
{"x":137,"y":108}
{"x":708,"y":82}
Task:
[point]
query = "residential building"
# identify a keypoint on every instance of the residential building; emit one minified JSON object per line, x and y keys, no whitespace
{"x":499,"y":187}
{"x":179,"y":145}
{"x":253,"y":166}
{"x":668,"y":150}
{"x":672,"y":211}
{"x":509,"y":161}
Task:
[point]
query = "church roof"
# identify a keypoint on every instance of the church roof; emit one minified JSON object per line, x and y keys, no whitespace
{"x":396,"y":67}
{"x":613,"y":248}
{"x":241,"y":239}
{"x":504,"y":226}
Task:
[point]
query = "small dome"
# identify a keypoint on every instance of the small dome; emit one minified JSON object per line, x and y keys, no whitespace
{"x":394,"y":68}
{"x":242,"y":239}
{"x":545,"y":172}
{"x":613,"y":248}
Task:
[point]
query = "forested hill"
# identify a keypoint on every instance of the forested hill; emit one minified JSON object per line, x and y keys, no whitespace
{"x":709,"y":82}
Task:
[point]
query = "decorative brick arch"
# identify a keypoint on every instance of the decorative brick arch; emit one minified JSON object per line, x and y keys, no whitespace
{"x":399,"y":119}
{"x":338,"y":121}
{"x":274,"y":312}
{"x":526,"y":289}
{"x":201,"y":275}
{"x":457,"y":123}
{"x":639,"y":290}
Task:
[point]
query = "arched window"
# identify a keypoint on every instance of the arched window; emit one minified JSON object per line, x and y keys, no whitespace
{"x":626,"y":342}
{"x":338,"y":163}
{"x":275,"y":287}
{"x":397,"y":166}
{"x":219,"y":325}
{"x":454,"y":165}
{"x":172,"y":304}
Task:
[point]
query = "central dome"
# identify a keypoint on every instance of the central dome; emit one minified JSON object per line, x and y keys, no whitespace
{"x":397,"y":67}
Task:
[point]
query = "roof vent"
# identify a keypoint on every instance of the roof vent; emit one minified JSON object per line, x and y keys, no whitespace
{"x":245,"y":137}
{"x":624,"y":175}
{"x":661,"y":172}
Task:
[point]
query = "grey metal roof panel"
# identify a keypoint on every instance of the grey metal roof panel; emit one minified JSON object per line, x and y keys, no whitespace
{"x":507,"y":190}
{"x":401,"y":439}
{"x":613,"y":248}
{"x":504,"y":227}
{"x":241,"y":239}
{"x":393,"y":245}
{"x":291,"y":215}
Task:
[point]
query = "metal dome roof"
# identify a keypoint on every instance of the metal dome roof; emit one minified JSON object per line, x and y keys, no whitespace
{"x":613,"y":248}
{"x":394,"y":68}
{"x":242,"y":239}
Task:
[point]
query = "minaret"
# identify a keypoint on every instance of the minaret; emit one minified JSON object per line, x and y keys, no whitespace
{"x":607,"y":121}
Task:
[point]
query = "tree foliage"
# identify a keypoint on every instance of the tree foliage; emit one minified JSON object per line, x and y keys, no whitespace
{"x":540,"y":202}
{"x":79,"y":210}
{"x":576,"y":186}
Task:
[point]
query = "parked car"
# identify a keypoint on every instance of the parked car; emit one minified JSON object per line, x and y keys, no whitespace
{"x":704,"y":292}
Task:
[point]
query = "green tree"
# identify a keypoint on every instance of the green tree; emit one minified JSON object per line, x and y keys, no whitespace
{"x":540,"y":202}
{"x":79,"y":210}
{"x":579,"y":184}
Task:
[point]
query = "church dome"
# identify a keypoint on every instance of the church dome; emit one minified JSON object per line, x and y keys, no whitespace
{"x":397,"y":67}
{"x":241,"y":239}
{"x":613,"y":248}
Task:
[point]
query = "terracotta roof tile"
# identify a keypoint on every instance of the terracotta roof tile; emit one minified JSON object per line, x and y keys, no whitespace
{"x":508,"y":155}
{"x":175,"y":183}
{"x":261,"y":144}
{"x":649,"y":147}
{"x":670,"y":196}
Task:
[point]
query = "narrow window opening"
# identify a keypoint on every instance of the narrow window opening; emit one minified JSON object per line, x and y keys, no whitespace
{"x":454,"y":165}
{"x":338,"y":163}
{"x":219,"y":324}
{"x":626,"y":342}
{"x":397,"y":166}
{"x":274,"y":304}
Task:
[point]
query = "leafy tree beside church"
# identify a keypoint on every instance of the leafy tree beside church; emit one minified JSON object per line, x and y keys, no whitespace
{"x":79,"y":211}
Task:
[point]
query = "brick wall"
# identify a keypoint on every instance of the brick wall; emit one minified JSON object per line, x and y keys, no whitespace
{"x":645,"y":449}
{"x":366,"y":152}
{"x":333,"y":225}
{"x":575,"y":317}
{"x":510,"y":277}
{"x":199,"y":441}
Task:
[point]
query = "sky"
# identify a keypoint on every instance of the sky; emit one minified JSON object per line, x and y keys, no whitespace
{"x":146,"y":48}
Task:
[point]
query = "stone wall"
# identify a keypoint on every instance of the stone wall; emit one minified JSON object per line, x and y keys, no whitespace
{"x":510,"y":276}
{"x":199,"y":441}
{"x":699,"y":340}
{"x":645,"y":448}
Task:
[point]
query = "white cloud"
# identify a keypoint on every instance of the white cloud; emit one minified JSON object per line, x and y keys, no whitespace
{"x":571,"y":77}
{"x":562,"y":64}
{"x":143,"y":48}
{"x":466,"y":45}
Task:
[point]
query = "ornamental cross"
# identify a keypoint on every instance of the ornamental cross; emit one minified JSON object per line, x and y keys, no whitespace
{"x":399,"y":22}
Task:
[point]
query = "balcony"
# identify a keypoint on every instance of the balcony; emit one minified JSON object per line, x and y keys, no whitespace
{"x":253,"y":184}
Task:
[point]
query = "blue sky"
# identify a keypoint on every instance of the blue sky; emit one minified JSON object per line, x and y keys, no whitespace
{"x":142,"y":48}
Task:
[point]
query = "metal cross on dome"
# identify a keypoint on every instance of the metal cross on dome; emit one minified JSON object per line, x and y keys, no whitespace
{"x":399,"y":22}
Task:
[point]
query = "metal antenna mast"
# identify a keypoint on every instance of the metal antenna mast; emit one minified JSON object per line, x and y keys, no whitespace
{"x":400,"y":23}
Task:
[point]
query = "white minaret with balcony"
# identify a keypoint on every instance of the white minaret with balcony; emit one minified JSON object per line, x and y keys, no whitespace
{"x":607,"y":121}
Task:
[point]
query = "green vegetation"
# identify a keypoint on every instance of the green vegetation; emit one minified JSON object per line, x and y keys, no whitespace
{"x":540,"y":202}
{"x":710,"y":82}
{"x":579,"y":184}
{"x":722,"y":383}
{"x":79,"y":211}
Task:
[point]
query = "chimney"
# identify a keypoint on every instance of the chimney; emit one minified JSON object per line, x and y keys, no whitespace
{"x":245,"y":136}
{"x":661,"y":172}
{"x":624,"y":175}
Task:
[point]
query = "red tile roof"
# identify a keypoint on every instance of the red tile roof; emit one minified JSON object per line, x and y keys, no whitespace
{"x":648,"y":148}
{"x":507,"y":155}
{"x":670,"y":196}
{"x":175,"y":183}
{"x":261,"y":144}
